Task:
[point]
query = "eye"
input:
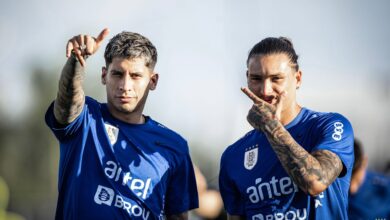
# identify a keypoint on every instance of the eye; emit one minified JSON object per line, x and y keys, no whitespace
{"x":255,"y":78}
{"x":276,"y":79}
{"x":116,"y":73}
{"x":136,"y":75}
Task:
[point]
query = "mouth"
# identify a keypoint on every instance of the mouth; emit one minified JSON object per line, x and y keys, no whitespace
{"x":125,"y":99}
{"x":270,"y":100}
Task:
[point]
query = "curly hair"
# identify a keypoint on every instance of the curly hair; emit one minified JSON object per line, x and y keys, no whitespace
{"x":131,"y":45}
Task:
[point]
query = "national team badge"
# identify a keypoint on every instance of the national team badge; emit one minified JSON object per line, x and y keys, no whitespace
{"x":250,"y":158}
{"x":112,"y":133}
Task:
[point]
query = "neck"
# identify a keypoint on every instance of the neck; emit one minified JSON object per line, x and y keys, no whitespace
{"x":133,"y":120}
{"x":134,"y":117}
{"x":288,"y":115}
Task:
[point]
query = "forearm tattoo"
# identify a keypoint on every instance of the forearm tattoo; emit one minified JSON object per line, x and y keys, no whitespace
{"x":304,"y":168}
{"x":70,"y":97}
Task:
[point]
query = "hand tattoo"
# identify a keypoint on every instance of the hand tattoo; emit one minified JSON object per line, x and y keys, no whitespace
{"x":262,"y":117}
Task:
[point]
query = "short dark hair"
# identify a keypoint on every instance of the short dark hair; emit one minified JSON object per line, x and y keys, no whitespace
{"x":359,"y":155}
{"x":273,"y":45}
{"x":131,"y":45}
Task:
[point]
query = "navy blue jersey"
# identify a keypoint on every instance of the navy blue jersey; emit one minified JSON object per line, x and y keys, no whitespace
{"x":372,"y":200}
{"x":254,"y":184}
{"x":110,"y":169}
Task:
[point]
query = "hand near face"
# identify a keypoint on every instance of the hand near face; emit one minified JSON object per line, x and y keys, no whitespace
{"x":85,"y":45}
{"x":264,"y":116}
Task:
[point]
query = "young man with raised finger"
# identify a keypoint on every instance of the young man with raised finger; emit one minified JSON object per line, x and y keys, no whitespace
{"x":116,"y":162}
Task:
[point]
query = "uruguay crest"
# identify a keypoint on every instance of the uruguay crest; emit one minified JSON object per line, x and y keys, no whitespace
{"x":250,"y":158}
{"x":112,"y":133}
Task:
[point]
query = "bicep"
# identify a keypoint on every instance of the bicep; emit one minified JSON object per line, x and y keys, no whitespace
{"x":181,"y":216}
{"x":334,"y":145}
{"x":331,"y":165}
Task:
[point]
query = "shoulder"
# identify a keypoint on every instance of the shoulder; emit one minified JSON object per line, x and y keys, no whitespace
{"x":232,"y":150}
{"x":325,"y":120}
{"x":326,"y":117}
{"x":93,"y":107}
{"x":91,"y":102}
{"x":78,"y":126}
{"x":331,"y":131}
{"x":168,"y":137}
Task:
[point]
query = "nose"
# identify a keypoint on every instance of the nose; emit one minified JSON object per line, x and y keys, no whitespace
{"x":126,"y":84}
{"x":266,"y":88}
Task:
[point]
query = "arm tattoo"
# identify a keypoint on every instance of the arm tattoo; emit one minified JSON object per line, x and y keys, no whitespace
{"x":305,"y":169}
{"x":261,"y":117}
{"x":70,"y":97}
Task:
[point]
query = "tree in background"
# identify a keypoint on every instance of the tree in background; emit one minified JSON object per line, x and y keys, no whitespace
{"x":29,"y":153}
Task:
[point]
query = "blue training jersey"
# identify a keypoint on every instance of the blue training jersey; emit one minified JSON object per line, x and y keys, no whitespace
{"x":372,"y":200}
{"x":254,"y":184}
{"x":110,"y":169}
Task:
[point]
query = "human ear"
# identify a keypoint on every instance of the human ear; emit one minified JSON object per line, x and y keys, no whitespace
{"x":153,"y":81}
{"x":298,"y":78}
{"x":104,"y":74}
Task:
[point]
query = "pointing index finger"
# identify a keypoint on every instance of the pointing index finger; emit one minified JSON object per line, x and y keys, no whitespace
{"x":102,"y":35}
{"x":251,"y":95}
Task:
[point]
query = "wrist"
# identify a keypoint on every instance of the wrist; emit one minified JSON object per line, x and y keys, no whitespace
{"x":272,"y":126}
{"x":73,"y":56}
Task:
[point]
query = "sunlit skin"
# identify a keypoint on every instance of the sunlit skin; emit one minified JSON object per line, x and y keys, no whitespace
{"x":128,"y":82}
{"x":271,"y":76}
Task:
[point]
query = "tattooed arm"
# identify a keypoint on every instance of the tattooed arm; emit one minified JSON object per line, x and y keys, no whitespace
{"x":70,"y":96}
{"x":313,"y":173}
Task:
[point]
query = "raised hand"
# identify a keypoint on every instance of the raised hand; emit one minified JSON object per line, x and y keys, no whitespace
{"x":85,"y":45}
{"x":264,"y":116}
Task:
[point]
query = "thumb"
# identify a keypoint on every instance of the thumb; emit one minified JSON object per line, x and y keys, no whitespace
{"x":279,"y":105}
{"x":103,"y":34}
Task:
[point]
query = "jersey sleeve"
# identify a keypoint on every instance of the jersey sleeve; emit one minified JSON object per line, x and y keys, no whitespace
{"x":182,"y":194}
{"x":336,"y":135}
{"x":62,"y":132}
{"x":232,"y":200}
